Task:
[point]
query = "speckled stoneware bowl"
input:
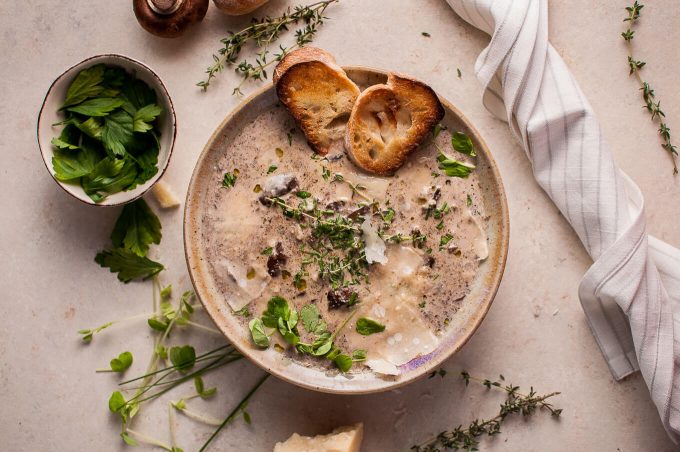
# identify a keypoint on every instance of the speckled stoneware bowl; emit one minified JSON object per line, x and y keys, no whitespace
{"x":49,"y":114}
{"x":462,"y":326}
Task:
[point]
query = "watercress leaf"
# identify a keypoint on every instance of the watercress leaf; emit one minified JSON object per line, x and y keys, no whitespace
{"x":157,"y":325}
{"x":200,"y":388}
{"x":137,"y":227}
{"x":128,"y":265}
{"x":291,"y":337}
{"x":99,"y":106}
{"x":292,"y":320}
{"x":343,"y":362}
{"x":258,"y":334}
{"x":366,"y":326}
{"x":109,"y":176}
{"x":183,"y":358}
{"x":335,"y":351}
{"x":359,"y":355}
{"x":86,"y":84}
{"x":122,"y":363}
{"x":117,"y":132}
{"x":68,"y":165}
{"x":462,"y":143}
{"x":277,"y":307}
{"x":144,"y":116}
{"x":310,"y":317}
{"x":116,"y":402}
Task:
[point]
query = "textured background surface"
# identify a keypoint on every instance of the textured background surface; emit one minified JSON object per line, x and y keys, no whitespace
{"x":535,"y":333}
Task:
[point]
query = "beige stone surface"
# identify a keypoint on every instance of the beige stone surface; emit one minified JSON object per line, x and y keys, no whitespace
{"x":535,"y":333}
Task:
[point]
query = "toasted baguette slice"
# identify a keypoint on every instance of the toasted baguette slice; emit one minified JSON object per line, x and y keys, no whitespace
{"x":318,"y":93}
{"x":389,"y":121}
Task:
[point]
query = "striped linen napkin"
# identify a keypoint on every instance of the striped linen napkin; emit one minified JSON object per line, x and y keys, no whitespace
{"x":631,"y":293}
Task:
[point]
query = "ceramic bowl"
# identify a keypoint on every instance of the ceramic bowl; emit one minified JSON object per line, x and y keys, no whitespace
{"x":207,"y":177}
{"x":49,"y":115}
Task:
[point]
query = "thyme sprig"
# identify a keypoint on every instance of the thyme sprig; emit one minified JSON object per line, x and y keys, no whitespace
{"x":262,"y":33}
{"x":467,"y":438}
{"x":652,"y":105}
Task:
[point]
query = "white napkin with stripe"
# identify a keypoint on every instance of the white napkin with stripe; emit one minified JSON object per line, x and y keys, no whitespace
{"x":631,"y":294}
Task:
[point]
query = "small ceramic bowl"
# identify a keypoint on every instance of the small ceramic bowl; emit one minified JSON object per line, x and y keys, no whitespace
{"x":49,"y":115}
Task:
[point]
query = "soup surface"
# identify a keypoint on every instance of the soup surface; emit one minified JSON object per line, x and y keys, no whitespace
{"x":374,"y":268}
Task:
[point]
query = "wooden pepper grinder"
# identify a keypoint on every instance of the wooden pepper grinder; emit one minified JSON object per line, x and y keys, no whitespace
{"x":169,"y":18}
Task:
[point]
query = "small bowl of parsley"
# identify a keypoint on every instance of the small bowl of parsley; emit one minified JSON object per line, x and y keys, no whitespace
{"x":106,"y":129}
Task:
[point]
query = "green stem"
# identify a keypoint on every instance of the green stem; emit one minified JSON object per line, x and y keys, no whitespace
{"x":234,"y":412}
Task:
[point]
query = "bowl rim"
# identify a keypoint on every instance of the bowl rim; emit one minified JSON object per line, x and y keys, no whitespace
{"x":161,"y":170}
{"x":422,"y":371}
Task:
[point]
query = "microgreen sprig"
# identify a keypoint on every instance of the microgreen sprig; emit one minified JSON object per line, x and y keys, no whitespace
{"x":654,"y":108}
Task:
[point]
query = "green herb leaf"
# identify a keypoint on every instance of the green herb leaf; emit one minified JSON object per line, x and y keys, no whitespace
{"x":200,"y":388}
{"x":68,"y":165}
{"x":271,"y":169}
{"x":343,"y":362}
{"x":311,"y":319}
{"x":68,"y":139}
{"x":258,"y":333}
{"x":183,"y":358}
{"x":454,"y":168}
{"x":117,"y":132}
{"x":303,"y":194}
{"x":86,"y":84}
{"x":268,"y":251}
{"x":366,"y":326}
{"x":462,"y":143}
{"x":122,"y":363}
{"x":92,"y":127}
{"x":109,"y":176}
{"x":116,"y":402}
{"x":229,"y":180}
{"x":359,"y":355}
{"x":136,"y":228}
{"x":128,"y":265}
{"x":99,"y":106}
{"x":277,"y":307}
{"x":157,"y":325}
{"x":143,"y":117}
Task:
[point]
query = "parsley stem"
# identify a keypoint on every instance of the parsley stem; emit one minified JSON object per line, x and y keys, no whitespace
{"x":235,"y":411}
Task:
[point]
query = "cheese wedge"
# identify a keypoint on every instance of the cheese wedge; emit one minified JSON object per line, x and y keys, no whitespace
{"x":343,"y":439}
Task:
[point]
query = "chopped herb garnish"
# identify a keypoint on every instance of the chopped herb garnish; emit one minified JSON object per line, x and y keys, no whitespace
{"x":271,"y":169}
{"x":460,"y":74}
{"x":366,"y":326}
{"x":468,"y":201}
{"x":426,"y":34}
{"x":268,"y":251}
{"x":454,"y":168}
{"x":462,"y":143}
{"x":303,"y":194}
{"x":445,"y":239}
{"x":289,"y":134}
{"x":229,"y":179}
